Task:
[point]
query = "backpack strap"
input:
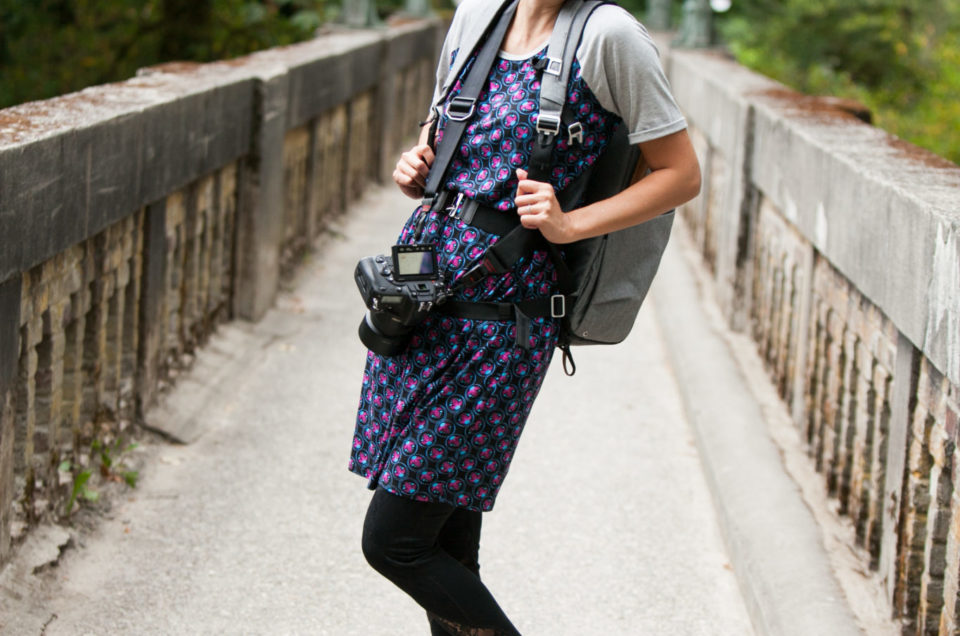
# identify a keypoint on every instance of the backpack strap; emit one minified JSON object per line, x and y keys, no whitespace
{"x":460,"y":109}
{"x":557,"y":65}
{"x":520,"y":241}
{"x":553,"y":100}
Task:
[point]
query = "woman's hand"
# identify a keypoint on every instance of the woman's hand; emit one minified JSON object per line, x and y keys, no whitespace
{"x":674,"y":178}
{"x":412,"y":170}
{"x":539,"y":209}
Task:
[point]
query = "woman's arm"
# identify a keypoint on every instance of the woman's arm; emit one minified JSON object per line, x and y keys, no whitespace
{"x":674,"y":179}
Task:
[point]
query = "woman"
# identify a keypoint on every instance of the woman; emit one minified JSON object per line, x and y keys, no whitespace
{"x":438,"y":424}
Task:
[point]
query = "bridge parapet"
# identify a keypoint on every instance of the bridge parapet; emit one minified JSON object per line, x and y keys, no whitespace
{"x":136,"y":217}
{"x":837,"y":247}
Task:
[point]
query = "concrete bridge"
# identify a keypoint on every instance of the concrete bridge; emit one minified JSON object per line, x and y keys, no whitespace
{"x":175,"y":251}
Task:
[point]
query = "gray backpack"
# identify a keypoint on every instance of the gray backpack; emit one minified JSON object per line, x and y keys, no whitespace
{"x":613,"y":272}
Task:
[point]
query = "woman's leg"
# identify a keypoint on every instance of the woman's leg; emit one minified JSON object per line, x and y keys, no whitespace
{"x":400,"y":540}
{"x":460,"y":538}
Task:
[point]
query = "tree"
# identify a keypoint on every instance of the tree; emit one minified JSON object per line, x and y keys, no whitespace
{"x":184,"y":25}
{"x":899,"y":57}
{"x":51,"y":47}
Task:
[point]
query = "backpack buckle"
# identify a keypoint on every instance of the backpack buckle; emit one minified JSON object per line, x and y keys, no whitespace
{"x":575,"y":133}
{"x":553,"y":66}
{"x":461,"y":108}
{"x":548,"y":124}
{"x":558,"y":306}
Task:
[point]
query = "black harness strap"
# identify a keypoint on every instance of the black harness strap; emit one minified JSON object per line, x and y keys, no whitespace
{"x":520,"y":312}
{"x":461,"y":108}
{"x":561,"y":51}
{"x":502,"y":255}
{"x":479,"y":310}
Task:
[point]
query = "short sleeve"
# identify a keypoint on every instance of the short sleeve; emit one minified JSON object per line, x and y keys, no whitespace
{"x":443,"y":64}
{"x":620,"y":64}
{"x":451,"y":43}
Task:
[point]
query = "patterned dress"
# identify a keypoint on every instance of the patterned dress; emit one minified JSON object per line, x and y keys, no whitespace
{"x":441,"y":421}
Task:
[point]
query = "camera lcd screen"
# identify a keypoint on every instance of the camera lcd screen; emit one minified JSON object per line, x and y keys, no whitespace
{"x":414,"y":262}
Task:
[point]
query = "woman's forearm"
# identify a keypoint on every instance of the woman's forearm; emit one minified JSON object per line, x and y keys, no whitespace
{"x":658,"y":192}
{"x":674,"y":179}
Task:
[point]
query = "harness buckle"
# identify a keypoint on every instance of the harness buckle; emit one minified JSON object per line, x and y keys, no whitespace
{"x":575,"y":133}
{"x":558,"y":306}
{"x":548,"y":124}
{"x":453,"y":210}
{"x":461,"y":108}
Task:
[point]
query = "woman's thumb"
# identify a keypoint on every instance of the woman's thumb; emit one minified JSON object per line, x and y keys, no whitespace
{"x":521,"y":174}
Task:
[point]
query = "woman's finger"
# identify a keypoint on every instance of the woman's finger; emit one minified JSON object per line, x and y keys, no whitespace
{"x":529,"y":199}
{"x":415,"y":162}
{"x":408,"y":175}
{"x":532,"y":221}
{"x":426,"y":153}
{"x":532,"y":208}
{"x":527,"y":186}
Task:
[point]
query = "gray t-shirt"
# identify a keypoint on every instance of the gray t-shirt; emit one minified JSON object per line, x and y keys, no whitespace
{"x":618,"y":60}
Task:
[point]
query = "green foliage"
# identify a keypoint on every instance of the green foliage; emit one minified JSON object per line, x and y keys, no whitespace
{"x":636,"y":7}
{"x":80,"y":490}
{"x":111,"y":467}
{"x":898,"y":57}
{"x":51,"y":47}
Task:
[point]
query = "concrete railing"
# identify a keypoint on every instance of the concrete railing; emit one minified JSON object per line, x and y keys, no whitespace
{"x":135,"y":217}
{"x":837,"y":246}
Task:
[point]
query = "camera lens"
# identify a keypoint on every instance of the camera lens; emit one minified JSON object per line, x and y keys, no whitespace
{"x":383,"y":335}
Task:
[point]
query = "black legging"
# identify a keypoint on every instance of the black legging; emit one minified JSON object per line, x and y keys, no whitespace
{"x":429,"y":550}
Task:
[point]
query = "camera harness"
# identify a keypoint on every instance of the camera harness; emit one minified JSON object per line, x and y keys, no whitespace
{"x":515,"y":240}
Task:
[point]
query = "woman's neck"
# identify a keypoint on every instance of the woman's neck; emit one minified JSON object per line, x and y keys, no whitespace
{"x":531,"y":25}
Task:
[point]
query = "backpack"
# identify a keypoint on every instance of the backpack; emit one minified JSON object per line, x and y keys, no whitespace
{"x":603,"y":280}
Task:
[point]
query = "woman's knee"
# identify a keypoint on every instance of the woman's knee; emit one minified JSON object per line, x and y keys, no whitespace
{"x":390,"y":543}
{"x":374,"y":549}
{"x":386,"y":549}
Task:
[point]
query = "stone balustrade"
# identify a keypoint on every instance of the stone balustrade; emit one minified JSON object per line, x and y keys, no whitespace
{"x":837,"y":247}
{"x":136,"y":217}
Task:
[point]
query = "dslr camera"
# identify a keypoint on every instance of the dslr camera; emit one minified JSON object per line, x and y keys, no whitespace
{"x":399,"y":291}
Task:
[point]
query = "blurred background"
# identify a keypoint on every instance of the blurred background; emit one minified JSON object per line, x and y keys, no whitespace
{"x":900,"y":58}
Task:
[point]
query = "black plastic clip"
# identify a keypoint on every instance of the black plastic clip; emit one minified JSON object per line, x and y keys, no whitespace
{"x":461,"y":108}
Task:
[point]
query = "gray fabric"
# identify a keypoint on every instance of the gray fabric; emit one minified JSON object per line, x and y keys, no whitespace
{"x":621,"y":65}
{"x":469,"y":21}
{"x":622,"y":270}
{"x":553,"y":94}
{"x":618,"y":60}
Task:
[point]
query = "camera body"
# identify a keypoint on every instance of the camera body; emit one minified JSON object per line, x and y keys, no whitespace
{"x":399,"y":291}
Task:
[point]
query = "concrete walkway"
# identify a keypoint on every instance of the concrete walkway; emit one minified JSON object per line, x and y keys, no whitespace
{"x":254,"y":527}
